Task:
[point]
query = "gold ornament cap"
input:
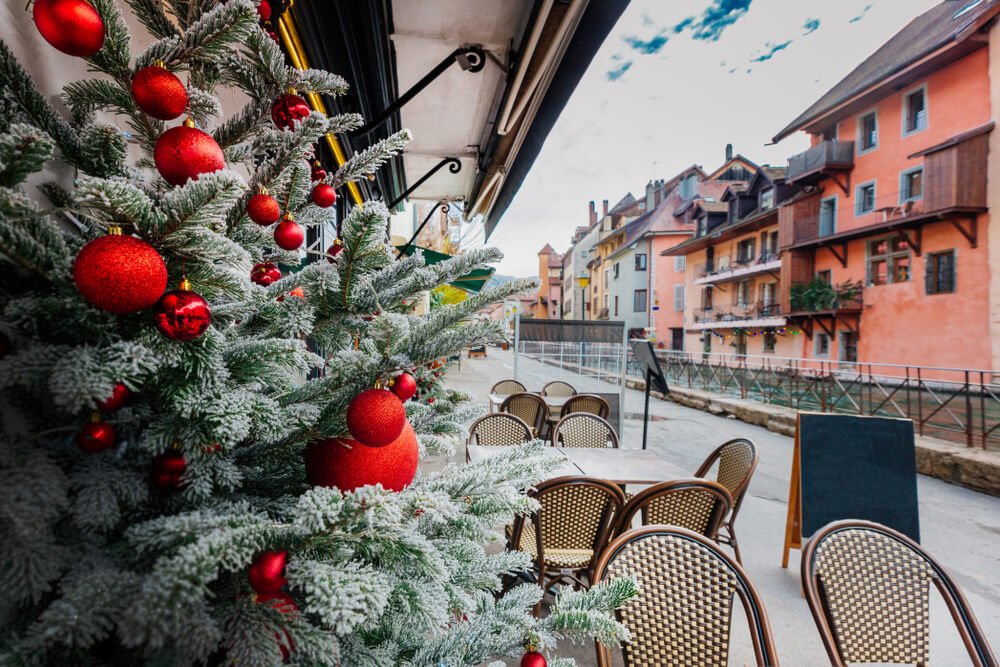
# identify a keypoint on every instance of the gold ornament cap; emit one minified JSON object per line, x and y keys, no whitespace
{"x":188,"y":122}
{"x":288,"y":216}
{"x":185,"y":285}
{"x":95,"y":417}
{"x":262,"y":191}
{"x":114,"y":230}
{"x":159,"y":63}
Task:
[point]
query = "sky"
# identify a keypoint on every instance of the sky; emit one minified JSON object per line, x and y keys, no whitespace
{"x":674,"y":83}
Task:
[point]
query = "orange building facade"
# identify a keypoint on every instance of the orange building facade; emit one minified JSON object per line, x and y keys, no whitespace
{"x":548,"y":301}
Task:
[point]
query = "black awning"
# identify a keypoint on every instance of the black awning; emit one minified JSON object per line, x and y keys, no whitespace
{"x":571,"y":331}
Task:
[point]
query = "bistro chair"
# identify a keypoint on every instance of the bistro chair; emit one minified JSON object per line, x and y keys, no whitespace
{"x":683,"y":613}
{"x":530,"y":408}
{"x":558,"y":388}
{"x":499,"y":429}
{"x":695,"y":504}
{"x":506,"y":388}
{"x":868,"y":588}
{"x":737,"y":461}
{"x":595,"y":405}
{"x":573,"y":524}
{"x":582,"y":429}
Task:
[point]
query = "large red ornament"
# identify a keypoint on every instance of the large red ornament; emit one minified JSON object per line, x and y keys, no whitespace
{"x":167,"y":470}
{"x":117,"y":399}
{"x":72,"y":26}
{"x":335,"y":249}
{"x":324,"y":195}
{"x":404,"y":386}
{"x":289,"y":234}
{"x":376,"y":417}
{"x":284,"y":603}
{"x":120,"y":274}
{"x":96,"y":436}
{"x":185,"y":152}
{"x":264,"y":10}
{"x":265,"y":273}
{"x":289,"y":109}
{"x":182,"y":314}
{"x":533,"y":659}
{"x":348,"y":465}
{"x":263,"y":208}
{"x":267,"y":572}
{"x":159,"y":92}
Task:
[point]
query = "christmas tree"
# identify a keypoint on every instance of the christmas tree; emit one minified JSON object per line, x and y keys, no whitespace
{"x":208,"y":453}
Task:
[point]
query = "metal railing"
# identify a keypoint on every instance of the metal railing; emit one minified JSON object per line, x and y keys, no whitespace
{"x":737,"y":312}
{"x":824,"y":155}
{"x":961,"y":405}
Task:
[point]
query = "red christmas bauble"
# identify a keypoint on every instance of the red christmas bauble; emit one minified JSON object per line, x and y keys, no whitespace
{"x":265,"y":273}
{"x":267,"y":572}
{"x":318,"y":173}
{"x":404,"y":386}
{"x":159,"y":92}
{"x":264,"y":10}
{"x":273,"y":35}
{"x":289,"y":234}
{"x":284,"y":603}
{"x":324,"y":195}
{"x":376,"y":417}
{"x":117,"y":399}
{"x":167,"y":470}
{"x":182,"y":315}
{"x":289,"y":109}
{"x":120,"y":274}
{"x":96,"y":437}
{"x":185,"y":152}
{"x":263,"y":209}
{"x":533,"y":659}
{"x":348,"y":465}
{"x":72,"y":26}
{"x":335,"y":249}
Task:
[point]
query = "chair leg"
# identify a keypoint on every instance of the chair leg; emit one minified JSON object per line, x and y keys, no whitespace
{"x":733,"y":543}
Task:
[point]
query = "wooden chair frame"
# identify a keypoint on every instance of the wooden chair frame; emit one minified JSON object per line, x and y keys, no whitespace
{"x":541,"y":417}
{"x":558,"y":383}
{"x":756,"y":614}
{"x":728,"y":533}
{"x":612,"y":435}
{"x":980,"y":652}
{"x":641,"y":501}
{"x":493,"y":389}
{"x":515,"y":421}
{"x":567,"y":408}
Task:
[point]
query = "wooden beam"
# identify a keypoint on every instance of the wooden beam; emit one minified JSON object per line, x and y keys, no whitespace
{"x":842,"y":255}
{"x":972,"y":233}
{"x":827,"y":330}
{"x":913,"y":242}
{"x":844,"y":185}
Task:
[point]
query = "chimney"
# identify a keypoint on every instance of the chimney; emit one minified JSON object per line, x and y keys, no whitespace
{"x":605,"y":207}
{"x":650,"y":196}
{"x":729,"y":152}
{"x":593,"y":213}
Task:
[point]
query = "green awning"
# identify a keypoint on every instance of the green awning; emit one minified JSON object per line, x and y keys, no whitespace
{"x":472,"y":281}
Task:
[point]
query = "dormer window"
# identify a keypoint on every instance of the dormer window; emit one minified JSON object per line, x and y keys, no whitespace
{"x":766,"y":200}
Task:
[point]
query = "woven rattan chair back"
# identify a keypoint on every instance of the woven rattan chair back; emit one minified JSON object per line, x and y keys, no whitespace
{"x":582,"y":429}
{"x":868,"y":588}
{"x":682,"y":614}
{"x":589,"y":403}
{"x":508,"y":387}
{"x":558,"y":388}
{"x":499,"y":429}
{"x":737,"y":460}
{"x":695,"y":504}
{"x":530,"y":408}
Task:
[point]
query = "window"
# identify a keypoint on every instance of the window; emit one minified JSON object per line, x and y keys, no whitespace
{"x":915,"y":111}
{"x":828,"y":216}
{"x":822,"y":345}
{"x":640,"y":261}
{"x":616,"y":305}
{"x":706,"y":298}
{"x":770,"y":340}
{"x":826,"y":276}
{"x":911,"y":184}
{"x":940,"y":277}
{"x":744,"y":292}
{"x":605,"y":302}
{"x":766,"y":198}
{"x":680,"y":263}
{"x":745,"y":251}
{"x":888,"y":261}
{"x":865,"y":198}
{"x":617,"y":267}
{"x":639,"y":301}
{"x":769,"y":299}
{"x":679,"y":297}
{"x":607,"y":278}
{"x":768,"y":246}
{"x":868,"y":132}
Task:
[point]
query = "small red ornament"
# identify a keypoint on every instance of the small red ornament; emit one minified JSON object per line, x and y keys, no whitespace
{"x":335,"y":249}
{"x":298,"y":292}
{"x":117,"y":399}
{"x":185,"y":152}
{"x":265,"y":273}
{"x":72,"y":26}
{"x":348,"y":465}
{"x":264,"y":10}
{"x":284,"y":603}
{"x":404,"y":386}
{"x":376,"y":417}
{"x":324,"y":195}
{"x":533,"y":659}
{"x":182,"y":314}
{"x":263,"y":208}
{"x":267,"y":572}
{"x":120,"y":274}
{"x":430,"y":401}
{"x":159,"y":92}
{"x":289,"y":234}
{"x":167,"y":469}
{"x":273,"y":35}
{"x":318,"y":173}
{"x":96,"y":436}
{"x":289,"y":109}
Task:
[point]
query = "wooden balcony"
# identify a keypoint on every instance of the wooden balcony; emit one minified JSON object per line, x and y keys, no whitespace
{"x":821,"y":160}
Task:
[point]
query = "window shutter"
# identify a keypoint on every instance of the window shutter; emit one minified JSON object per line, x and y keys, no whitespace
{"x":929,"y":274}
{"x":679,"y":297}
{"x":949,"y":272}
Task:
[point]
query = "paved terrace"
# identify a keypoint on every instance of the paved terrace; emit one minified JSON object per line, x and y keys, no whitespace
{"x":960,"y":527}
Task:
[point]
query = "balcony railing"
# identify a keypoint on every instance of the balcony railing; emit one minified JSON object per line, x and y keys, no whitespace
{"x":745,"y":266}
{"x":739,"y":312}
{"x":827,"y":155}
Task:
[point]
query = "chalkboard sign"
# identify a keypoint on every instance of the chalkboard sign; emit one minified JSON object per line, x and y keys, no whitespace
{"x":848,"y":467}
{"x":645,"y":356}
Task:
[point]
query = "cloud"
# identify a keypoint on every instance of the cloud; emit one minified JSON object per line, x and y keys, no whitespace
{"x":648,"y":47}
{"x":716,"y":18}
{"x":862,"y":14}
{"x":769,"y":51}
{"x":811,"y":26}
{"x":619,"y":71}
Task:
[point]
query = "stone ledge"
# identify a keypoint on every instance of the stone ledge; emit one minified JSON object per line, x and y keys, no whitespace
{"x":970,"y":467}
